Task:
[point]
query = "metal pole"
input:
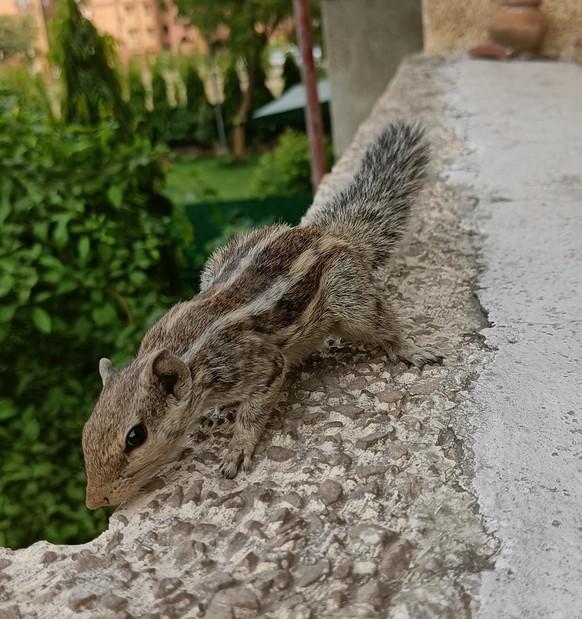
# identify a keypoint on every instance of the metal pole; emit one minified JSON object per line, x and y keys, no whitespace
{"x":303,"y":26}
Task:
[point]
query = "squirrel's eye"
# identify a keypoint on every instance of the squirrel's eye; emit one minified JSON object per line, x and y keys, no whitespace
{"x":135,"y":437}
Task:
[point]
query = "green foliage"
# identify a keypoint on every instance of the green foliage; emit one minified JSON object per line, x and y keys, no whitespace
{"x":160,"y":117}
{"x":136,"y":93}
{"x":262,"y":94}
{"x":262,"y":133}
{"x":91,"y":90}
{"x":205,"y":128}
{"x":87,"y":263}
{"x":291,"y":73}
{"x":188,"y":123}
{"x":250,"y":25}
{"x":287,"y":169}
{"x":248,"y":21}
{"x":232,"y":98}
{"x":16,"y":35}
{"x":22,"y":89}
{"x":195,"y":94}
{"x":201,"y":128}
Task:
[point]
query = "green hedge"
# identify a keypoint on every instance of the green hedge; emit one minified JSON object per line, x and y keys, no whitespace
{"x":86,"y":265}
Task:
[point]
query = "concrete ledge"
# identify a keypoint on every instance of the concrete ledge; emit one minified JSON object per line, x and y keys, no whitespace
{"x":523,"y":165}
{"x":356,"y":506}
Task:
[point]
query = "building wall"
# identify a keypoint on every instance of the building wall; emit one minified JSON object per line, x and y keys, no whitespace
{"x":365,"y":42}
{"x":142,"y":27}
{"x":461,"y":24}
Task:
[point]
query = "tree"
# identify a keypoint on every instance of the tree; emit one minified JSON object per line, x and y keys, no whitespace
{"x":136,"y":96}
{"x":250,"y":24}
{"x":291,"y":73}
{"x":160,"y":116}
{"x":17,"y":35}
{"x":91,"y":89}
{"x":198,"y":108}
{"x":262,"y":94}
{"x":194,"y":87}
{"x":232,"y":98}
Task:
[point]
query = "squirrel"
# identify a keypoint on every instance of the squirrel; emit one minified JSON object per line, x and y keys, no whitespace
{"x":267,"y":299}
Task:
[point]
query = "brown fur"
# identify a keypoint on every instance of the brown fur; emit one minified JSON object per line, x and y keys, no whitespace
{"x":267,"y":300}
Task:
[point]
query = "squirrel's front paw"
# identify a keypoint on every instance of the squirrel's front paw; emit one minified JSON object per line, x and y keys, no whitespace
{"x":231,"y":462}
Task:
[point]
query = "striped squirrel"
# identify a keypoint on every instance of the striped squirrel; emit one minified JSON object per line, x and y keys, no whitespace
{"x":267,"y":299}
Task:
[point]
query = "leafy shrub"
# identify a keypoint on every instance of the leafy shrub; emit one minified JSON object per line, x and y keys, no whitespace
{"x":86,"y":265}
{"x":202,"y":130}
{"x":287,"y":168}
{"x":23,"y":89}
{"x":190,"y":123}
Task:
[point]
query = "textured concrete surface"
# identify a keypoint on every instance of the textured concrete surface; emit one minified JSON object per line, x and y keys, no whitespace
{"x":462,"y":24}
{"x":356,"y":506}
{"x":523,"y":164}
{"x":365,"y":41}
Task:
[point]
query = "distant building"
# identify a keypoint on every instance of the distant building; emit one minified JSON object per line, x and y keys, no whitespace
{"x":141,"y":27}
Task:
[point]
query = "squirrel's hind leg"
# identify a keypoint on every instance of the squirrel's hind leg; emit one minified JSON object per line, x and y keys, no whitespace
{"x":374,"y":322}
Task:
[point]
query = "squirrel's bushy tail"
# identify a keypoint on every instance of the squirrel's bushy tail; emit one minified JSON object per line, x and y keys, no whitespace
{"x":372,"y":211}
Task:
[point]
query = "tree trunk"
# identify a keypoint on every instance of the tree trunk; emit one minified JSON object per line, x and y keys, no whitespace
{"x":239,"y":131}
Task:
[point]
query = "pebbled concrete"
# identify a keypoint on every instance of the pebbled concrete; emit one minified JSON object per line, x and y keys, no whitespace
{"x":523,"y":163}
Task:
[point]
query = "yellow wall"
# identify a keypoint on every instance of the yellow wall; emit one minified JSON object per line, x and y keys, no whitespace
{"x":461,"y":24}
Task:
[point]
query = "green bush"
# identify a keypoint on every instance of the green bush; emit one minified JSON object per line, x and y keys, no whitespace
{"x":188,"y":123}
{"x":86,"y":265}
{"x":286,"y":169}
{"x":23,"y":89}
{"x":203,"y":130}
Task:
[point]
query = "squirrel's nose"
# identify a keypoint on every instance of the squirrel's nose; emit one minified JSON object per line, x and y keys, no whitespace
{"x":94,"y":501}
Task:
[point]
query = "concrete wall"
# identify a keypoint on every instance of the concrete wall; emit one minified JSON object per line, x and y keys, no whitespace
{"x":460,"y":24}
{"x":365,"y":42}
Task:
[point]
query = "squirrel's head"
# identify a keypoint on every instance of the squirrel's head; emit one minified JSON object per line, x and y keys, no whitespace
{"x":139,"y":423}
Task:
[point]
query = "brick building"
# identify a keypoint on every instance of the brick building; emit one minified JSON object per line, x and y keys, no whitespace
{"x":141,"y":27}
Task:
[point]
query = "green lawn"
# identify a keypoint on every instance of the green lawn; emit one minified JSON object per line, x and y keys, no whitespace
{"x":191,"y":179}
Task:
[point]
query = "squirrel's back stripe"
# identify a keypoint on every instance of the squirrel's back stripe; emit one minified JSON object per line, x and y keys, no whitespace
{"x":231,"y":256}
{"x":272,"y":284}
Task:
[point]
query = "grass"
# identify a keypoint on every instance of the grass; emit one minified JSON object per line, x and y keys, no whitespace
{"x":196,"y":179}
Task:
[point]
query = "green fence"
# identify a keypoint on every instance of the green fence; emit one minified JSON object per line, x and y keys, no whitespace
{"x":210,"y":221}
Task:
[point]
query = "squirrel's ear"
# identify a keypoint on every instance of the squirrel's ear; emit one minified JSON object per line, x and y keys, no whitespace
{"x":170,"y":373}
{"x":106,"y":370}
